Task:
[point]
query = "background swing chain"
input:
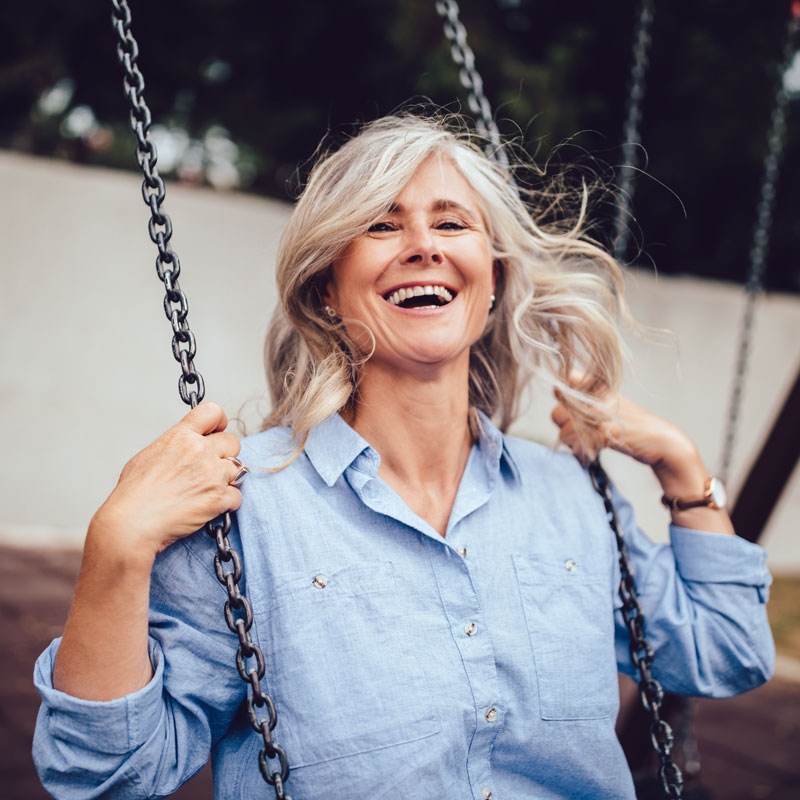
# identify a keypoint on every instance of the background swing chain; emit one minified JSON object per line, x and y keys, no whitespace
{"x":192,"y":390}
{"x":650,"y":690}
{"x":758,"y":251}
{"x":631,"y":136}
{"x":463,"y":56}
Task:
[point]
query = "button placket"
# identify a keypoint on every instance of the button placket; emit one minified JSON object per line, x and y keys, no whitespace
{"x":463,"y":605}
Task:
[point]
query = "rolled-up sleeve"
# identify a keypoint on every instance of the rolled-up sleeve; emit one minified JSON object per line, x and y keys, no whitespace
{"x":704,"y":602}
{"x":147,"y":743}
{"x":99,"y":736}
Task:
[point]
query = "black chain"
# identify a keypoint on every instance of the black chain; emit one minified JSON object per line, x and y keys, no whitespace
{"x":471,"y":80}
{"x":758,"y":251}
{"x":237,"y":609}
{"x":650,"y":690}
{"x":631,"y":136}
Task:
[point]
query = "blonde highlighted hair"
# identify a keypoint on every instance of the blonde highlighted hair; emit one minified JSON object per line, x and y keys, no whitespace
{"x":559,"y":304}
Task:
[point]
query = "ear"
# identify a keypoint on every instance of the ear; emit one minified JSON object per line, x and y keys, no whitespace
{"x":327,"y":288}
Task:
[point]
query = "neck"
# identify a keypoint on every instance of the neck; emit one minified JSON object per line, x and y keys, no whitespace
{"x":419,"y":426}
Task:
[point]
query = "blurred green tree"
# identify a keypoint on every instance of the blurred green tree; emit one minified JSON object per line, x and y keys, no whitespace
{"x":278,"y":76}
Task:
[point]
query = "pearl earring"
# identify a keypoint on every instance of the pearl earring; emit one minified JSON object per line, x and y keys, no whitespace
{"x":491,"y":302}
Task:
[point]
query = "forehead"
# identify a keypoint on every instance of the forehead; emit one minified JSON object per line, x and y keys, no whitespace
{"x":436,"y":180}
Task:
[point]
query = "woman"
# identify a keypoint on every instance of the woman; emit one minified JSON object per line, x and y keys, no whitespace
{"x":437,"y":601}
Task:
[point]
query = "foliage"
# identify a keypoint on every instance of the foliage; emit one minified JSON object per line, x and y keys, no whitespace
{"x":273,"y":78}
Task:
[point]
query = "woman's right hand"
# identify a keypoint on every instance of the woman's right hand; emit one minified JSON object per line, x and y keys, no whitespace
{"x":170,"y":489}
{"x":173,"y":486}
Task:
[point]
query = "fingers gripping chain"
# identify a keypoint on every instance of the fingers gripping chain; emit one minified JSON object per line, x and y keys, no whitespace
{"x":237,"y":610}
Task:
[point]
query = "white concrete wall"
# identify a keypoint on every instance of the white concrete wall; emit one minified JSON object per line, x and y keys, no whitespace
{"x":88,"y":377}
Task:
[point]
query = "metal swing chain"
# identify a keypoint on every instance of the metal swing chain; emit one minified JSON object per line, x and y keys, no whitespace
{"x":471,"y":80}
{"x":631,"y":135}
{"x":237,"y":610}
{"x":758,"y":251}
{"x":650,"y":690}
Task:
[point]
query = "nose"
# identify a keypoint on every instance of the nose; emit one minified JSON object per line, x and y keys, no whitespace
{"x":421,"y":246}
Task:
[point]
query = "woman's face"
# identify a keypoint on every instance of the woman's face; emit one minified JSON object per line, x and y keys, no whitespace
{"x":422,"y":277}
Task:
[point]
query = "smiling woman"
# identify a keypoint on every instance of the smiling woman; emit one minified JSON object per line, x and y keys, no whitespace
{"x":437,"y":602}
{"x":421,"y":278}
{"x":418,"y":204}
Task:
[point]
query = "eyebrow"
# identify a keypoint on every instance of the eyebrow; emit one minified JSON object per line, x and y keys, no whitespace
{"x":442,"y":204}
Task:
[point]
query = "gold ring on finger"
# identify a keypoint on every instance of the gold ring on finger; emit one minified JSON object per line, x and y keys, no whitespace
{"x":243,"y":470}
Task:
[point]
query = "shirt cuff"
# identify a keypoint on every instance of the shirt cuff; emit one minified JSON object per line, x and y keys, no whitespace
{"x":112,"y":726}
{"x":719,"y":558}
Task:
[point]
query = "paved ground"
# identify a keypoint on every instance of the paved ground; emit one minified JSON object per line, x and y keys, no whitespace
{"x":749,"y":746}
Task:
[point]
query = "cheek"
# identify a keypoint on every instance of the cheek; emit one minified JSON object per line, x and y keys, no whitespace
{"x":355,"y":273}
{"x":342,"y":284}
{"x":484,"y":274}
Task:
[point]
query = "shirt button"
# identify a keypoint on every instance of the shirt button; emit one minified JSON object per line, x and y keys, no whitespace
{"x":570,"y":565}
{"x":470,"y":629}
{"x":320,"y":581}
{"x":486,"y":793}
{"x":491,"y":714}
{"x":462,"y":551}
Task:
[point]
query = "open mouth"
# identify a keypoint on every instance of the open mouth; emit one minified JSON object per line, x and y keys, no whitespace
{"x":432,"y":296}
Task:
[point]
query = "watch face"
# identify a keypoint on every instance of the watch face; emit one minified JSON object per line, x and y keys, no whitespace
{"x":718,"y":494}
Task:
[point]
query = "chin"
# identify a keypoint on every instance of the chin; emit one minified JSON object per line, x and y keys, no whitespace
{"x":430,"y":359}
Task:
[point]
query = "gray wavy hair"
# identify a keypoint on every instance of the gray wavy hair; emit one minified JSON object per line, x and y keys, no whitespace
{"x":559,"y":307}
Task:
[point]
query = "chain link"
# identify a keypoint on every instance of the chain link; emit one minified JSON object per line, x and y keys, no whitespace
{"x":758,"y":251}
{"x":471,"y":80}
{"x":237,"y":610}
{"x":631,"y":135}
{"x":650,"y":691}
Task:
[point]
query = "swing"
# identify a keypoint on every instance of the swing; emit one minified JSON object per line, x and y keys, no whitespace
{"x":650,"y":691}
{"x":192,"y":390}
{"x":237,"y":610}
{"x":757,"y":257}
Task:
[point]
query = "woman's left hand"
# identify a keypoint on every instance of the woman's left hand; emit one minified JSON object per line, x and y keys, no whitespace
{"x":660,"y":444}
{"x":634,"y":431}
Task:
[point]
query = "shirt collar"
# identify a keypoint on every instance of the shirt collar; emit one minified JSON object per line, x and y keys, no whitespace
{"x":332,"y":446}
{"x":493,"y":447}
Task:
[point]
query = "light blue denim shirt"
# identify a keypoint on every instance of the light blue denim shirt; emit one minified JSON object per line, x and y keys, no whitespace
{"x":407,"y":665}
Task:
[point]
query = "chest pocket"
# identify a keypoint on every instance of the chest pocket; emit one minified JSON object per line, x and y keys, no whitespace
{"x":570,"y":622}
{"x":340,"y":662}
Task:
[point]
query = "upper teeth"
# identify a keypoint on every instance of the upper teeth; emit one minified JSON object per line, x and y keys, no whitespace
{"x":418,"y":291}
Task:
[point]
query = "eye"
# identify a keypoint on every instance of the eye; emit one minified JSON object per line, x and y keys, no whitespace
{"x":450,"y":225}
{"x":381,"y":227}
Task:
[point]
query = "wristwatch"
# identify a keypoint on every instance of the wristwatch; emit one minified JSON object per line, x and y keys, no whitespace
{"x":714,"y":496}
